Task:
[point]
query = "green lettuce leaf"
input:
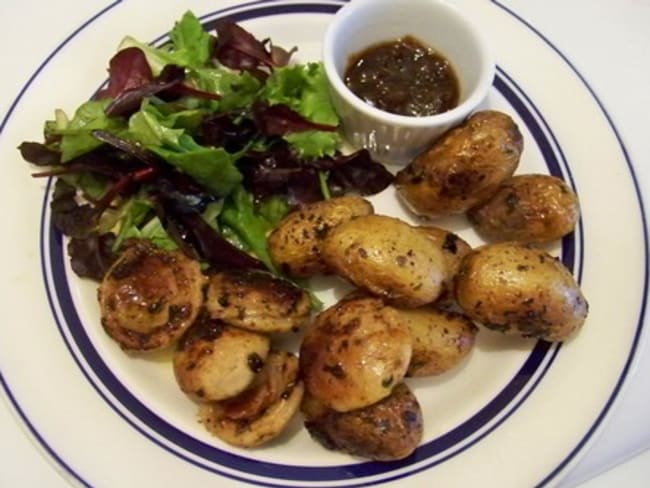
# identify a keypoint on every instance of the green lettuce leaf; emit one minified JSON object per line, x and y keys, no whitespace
{"x":240,"y":215}
{"x":155,"y":232}
{"x":150,"y":127}
{"x":237,"y":90}
{"x":90,"y":184}
{"x":304,"y":88}
{"x":135,"y":221}
{"x":77,"y":138}
{"x":191,"y":43}
{"x":190,"y":46}
{"x":212,"y":167}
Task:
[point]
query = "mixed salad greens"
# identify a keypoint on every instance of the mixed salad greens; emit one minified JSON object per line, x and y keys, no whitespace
{"x":203,"y":144}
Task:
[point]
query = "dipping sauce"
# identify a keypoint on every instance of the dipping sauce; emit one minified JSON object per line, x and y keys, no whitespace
{"x":403,"y":77}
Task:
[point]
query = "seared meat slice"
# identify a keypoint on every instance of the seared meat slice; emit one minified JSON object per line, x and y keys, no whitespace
{"x":257,"y":301}
{"x":215,"y":361}
{"x":262,"y":412}
{"x":149,"y":297}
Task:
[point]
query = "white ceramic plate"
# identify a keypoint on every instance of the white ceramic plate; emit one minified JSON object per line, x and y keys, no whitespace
{"x":517,"y":413}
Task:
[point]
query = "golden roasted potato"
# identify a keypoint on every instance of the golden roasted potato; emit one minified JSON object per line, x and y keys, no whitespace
{"x":261,"y":413}
{"x":454,"y":249}
{"x":519,"y":290}
{"x":388,"y":258}
{"x":295,"y":244}
{"x":257,"y":301}
{"x":388,"y":430}
{"x":215,"y":361}
{"x":528,"y":208}
{"x":441,"y":339}
{"x":464,"y":166}
{"x":354,"y":353}
{"x":149,"y":296}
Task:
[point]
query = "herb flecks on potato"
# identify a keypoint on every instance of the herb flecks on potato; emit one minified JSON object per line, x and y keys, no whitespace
{"x":463,"y":167}
{"x":519,"y":290}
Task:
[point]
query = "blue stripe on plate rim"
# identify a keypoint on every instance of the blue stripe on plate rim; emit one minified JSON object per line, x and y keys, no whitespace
{"x":329,"y":8}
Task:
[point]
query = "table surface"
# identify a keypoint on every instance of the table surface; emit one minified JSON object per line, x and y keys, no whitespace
{"x":609,"y":43}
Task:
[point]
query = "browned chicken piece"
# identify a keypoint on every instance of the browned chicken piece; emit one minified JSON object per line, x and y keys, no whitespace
{"x":354,"y":353}
{"x":257,"y":301}
{"x":530,"y":208}
{"x":149,"y":297}
{"x":296,"y":243}
{"x":464,"y":167}
{"x":215,"y":361}
{"x":441,"y":339}
{"x":262,"y":412}
{"x":388,"y":430}
{"x":388,"y":258}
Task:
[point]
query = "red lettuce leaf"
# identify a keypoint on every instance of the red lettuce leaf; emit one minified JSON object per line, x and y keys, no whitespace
{"x":39,"y":154}
{"x":280,"y":119}
{"x":128,"y":101}
{"x":238,"y":49}
{"x":70,"y":217}
{"x":356,"y":172}
{"x":199,"y":240}
{"x":92,"y":256}
{"x":222,"y":130}
{"x":278,"y":170}
{"x":128,"y":70}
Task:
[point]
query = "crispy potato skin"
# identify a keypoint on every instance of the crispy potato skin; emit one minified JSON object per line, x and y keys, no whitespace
{"x":295,"y":244}
{"x":453,"y":249}
{"x":464,"y":166}
{"x":519,"y":290}
{"x":385,"y":431}
{"x":149,"y":296}
{"x":354,"y":353}
{"x":531,"y":208}
{"x":441,"y":339}
{"x":257,"y":301}
{"x":388,"y":258}
{"x":215,"y":361}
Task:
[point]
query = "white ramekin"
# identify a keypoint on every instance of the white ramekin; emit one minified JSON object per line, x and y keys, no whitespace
{"x":392,"y":138}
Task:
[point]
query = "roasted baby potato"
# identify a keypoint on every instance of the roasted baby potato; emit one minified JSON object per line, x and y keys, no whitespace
{"x":454,"y":249}
{"x":149,"y":297}
{"x":388,"y":258}
{"x":388,"y":430}
{"x":215,"y":361}
{"x":262,"y":412}
{"x":519,"y":290}
{"x":354,"y":353}
{"x":528,"y":208}
{"x":295,"y":244}
{"x":441,"y":339}
{"x":257,"y":301}
{"x":464,"y":166}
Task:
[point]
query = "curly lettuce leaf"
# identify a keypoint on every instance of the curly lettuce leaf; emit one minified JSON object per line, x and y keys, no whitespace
{"x":240,"y":215}
{"x":238,"y":90}
{"x":304,"y":89}
{"x":190,"y":46}
{"x":76,"y":134}
{"x":212,"y":167}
